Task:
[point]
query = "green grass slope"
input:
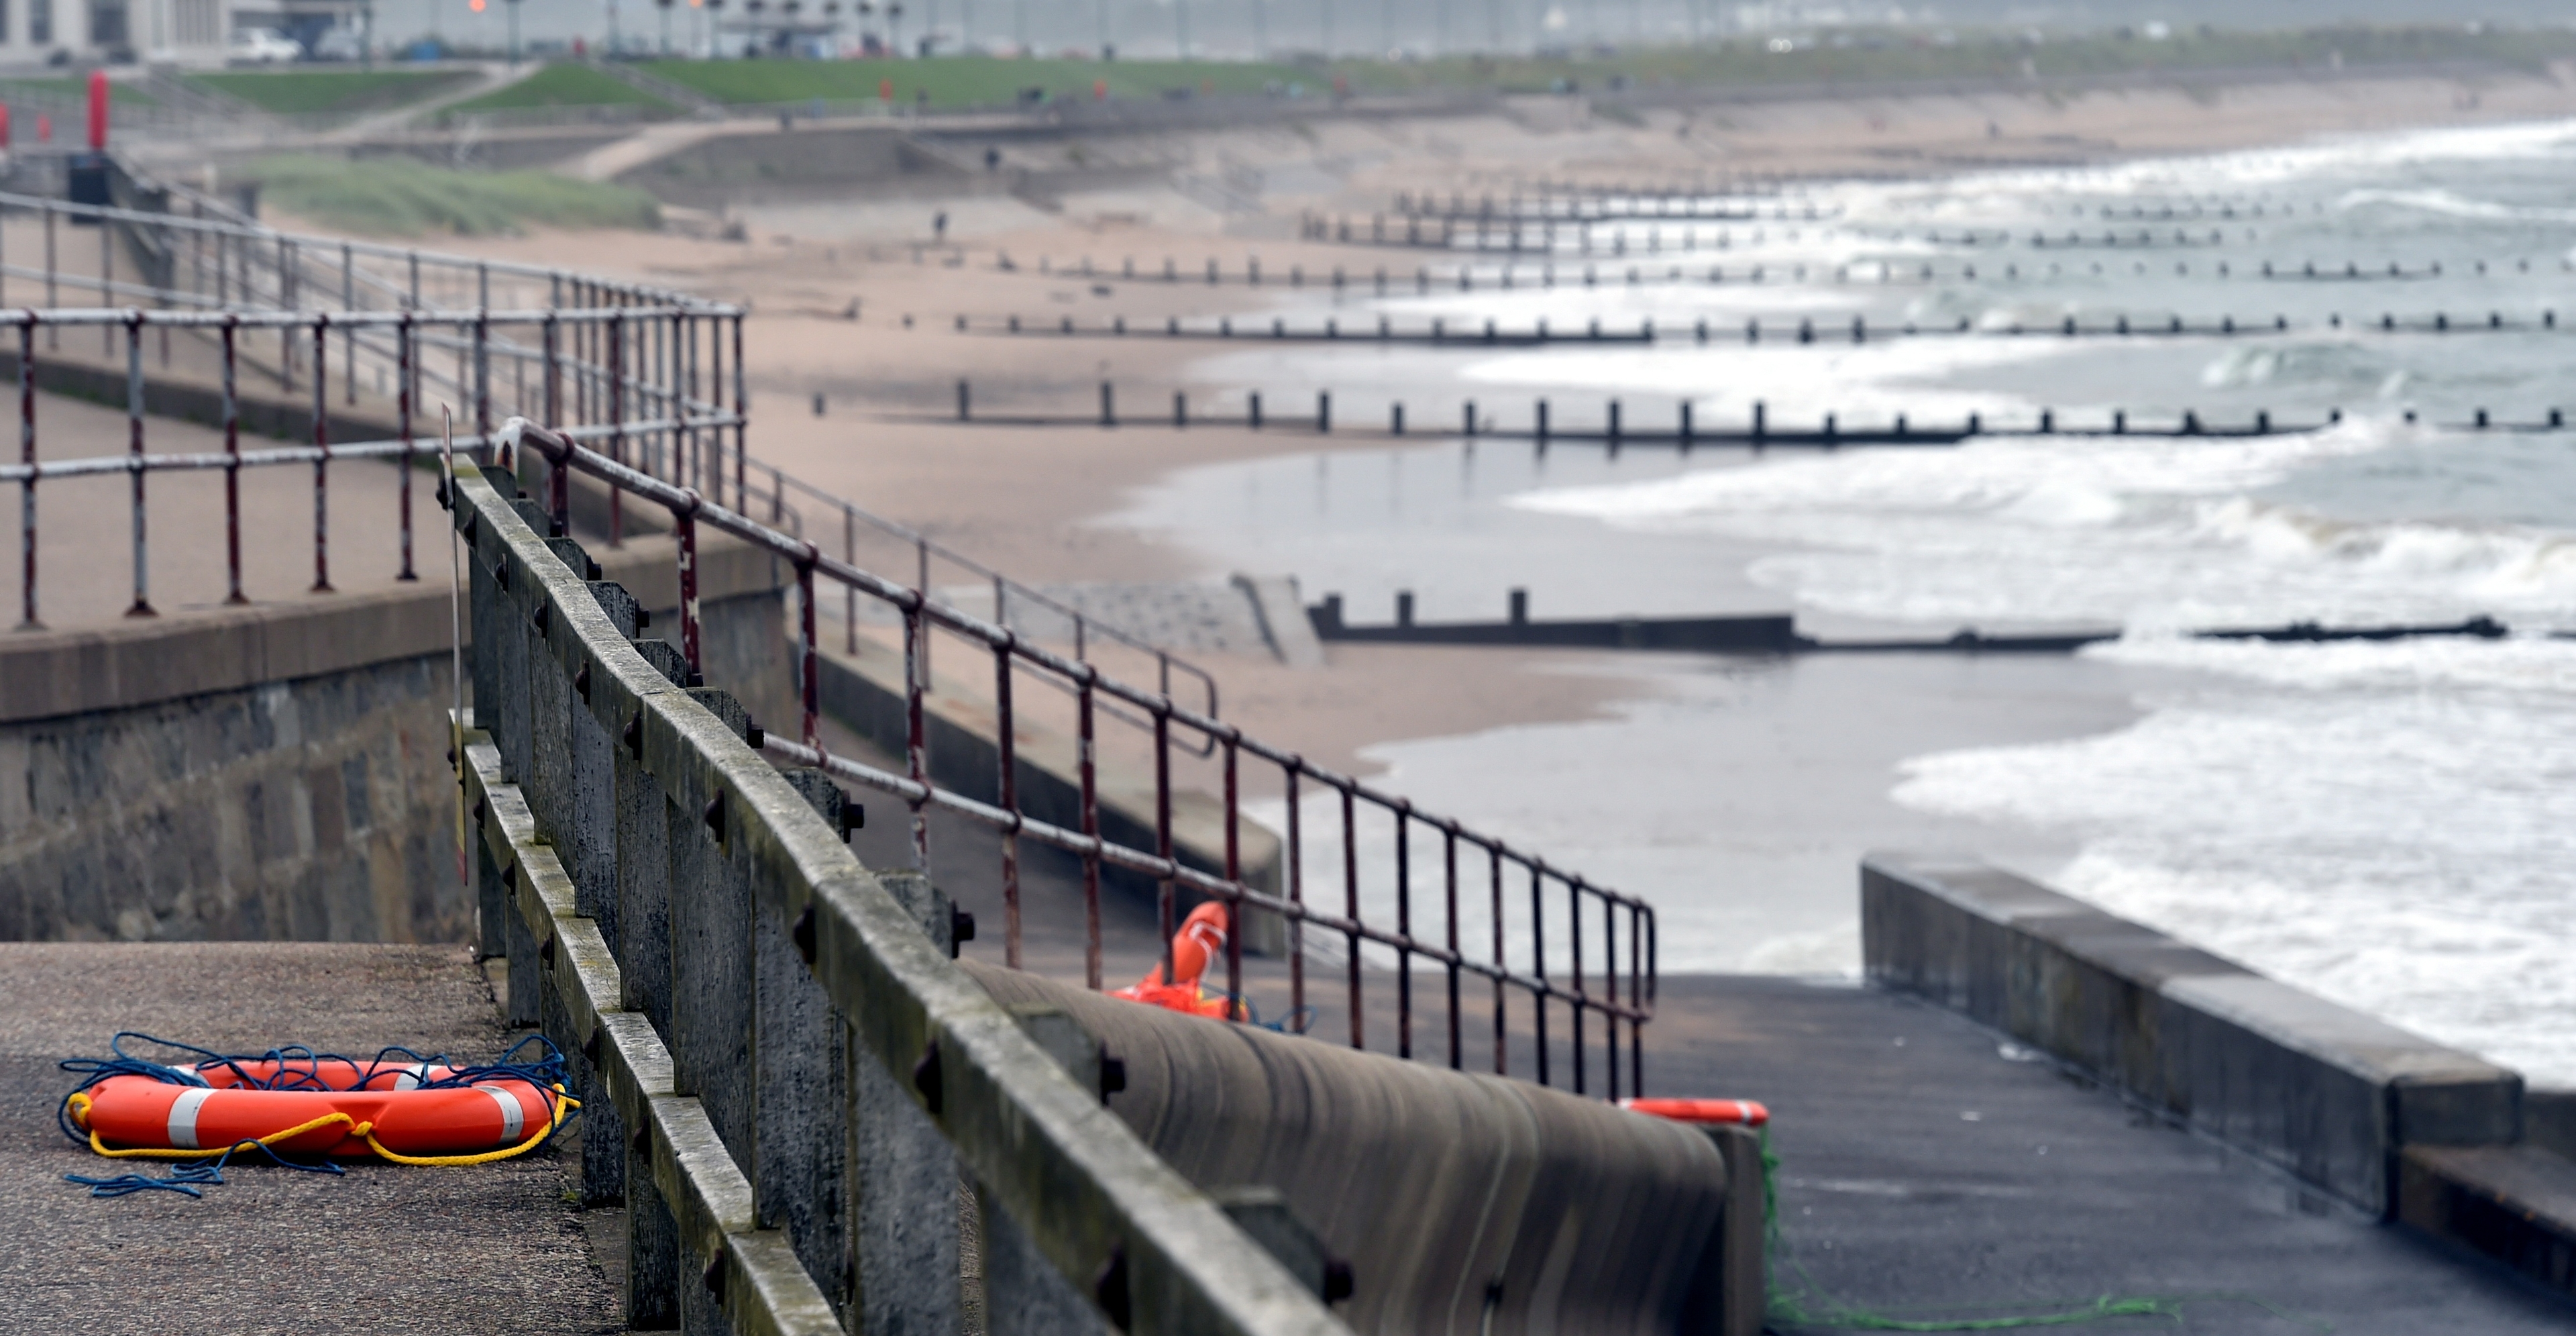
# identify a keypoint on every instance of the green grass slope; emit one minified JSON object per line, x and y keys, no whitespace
{"x":403,"y":198}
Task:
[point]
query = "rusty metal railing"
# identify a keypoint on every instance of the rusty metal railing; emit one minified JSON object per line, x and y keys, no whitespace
{"x":1625,"y":925}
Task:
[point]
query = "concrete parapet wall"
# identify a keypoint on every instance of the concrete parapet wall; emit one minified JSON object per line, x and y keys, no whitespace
{"x":2325,"y":1092}
{"x":280,"y":771}
{"x":1462,"y":1202}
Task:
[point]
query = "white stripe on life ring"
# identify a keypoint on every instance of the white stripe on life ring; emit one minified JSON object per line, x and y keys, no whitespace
{"x":409,"y":1078}
{"x":183,"y":1117}
{"x":511,"y":1119}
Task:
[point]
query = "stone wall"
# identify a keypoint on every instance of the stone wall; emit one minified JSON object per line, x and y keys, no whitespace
{"x":281,"y":772}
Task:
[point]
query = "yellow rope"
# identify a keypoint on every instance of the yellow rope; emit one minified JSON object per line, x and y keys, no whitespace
{"x":79,"y":1104}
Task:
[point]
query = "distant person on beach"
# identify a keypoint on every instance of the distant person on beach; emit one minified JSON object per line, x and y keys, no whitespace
{"x":939,"y":225}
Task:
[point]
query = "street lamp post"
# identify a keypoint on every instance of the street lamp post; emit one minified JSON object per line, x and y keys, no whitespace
{"x":663,"y":5}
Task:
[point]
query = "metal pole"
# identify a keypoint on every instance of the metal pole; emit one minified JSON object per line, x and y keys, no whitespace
{"x":402,"y":427}
{"x":617,"y":429}
{"x":134,"y":439}
{"x":322,"y":465}
{"x":916,"y":630}
{"x":685,"y":525}
{"x":53,"y":333}
{"x":1091,"y":831}
{"x":1297,"y":897}
{"x":28,"y":620}
{"x":1010,"y":794}
{"x":232,"y":460}
{"x":1351,"y":907}
{"x":349,"y":336}
{"x":810,"y":661}
{"x":742,"y":421}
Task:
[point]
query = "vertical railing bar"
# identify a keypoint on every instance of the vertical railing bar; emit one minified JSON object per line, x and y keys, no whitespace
{"x":617,"y":429}
{"x":28,"y":619}
{"x":558,"y":474}
{"x":1089,"y":766}
{"x":1538,"y":967}
{"x":916,"y":634}
{"x":685,"y":526}
{"x":849,"y":592}
{"x":1404,"y":928}
{"x":53,"y":297}
{"x":106,"y":283}
{"x":285,"y":333}
{"x":809,"y":661}
{"x":1574,"y":924}
{"x":349,"y":338}
{"x":1502,"y":963}
{"x":483,"y":376}
{"x":1296,"y":897}
{"x":1636,"y":1004}
{"x":322,"y":463}
{"x":134,"y":442}
{"x":1351,"y":906}
{"x":1163,"y":835}
{"x":742,"y":425}
{"x":1008,"y":782}
{"x":1610,"y":986}
{"x":402,"y":424}
{"x":1449,"y":859}
{"x":1233,"y":880}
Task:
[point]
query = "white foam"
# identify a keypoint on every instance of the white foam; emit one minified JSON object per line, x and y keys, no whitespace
{"x":2397,"y":850}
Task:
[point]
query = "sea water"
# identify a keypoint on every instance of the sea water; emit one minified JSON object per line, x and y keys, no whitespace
{"x":2387,"y":823}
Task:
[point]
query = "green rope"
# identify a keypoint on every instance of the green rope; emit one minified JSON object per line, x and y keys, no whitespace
{"x":1801,"y":1302}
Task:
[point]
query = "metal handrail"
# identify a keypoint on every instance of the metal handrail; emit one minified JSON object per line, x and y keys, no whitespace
{"x":689,"y":509}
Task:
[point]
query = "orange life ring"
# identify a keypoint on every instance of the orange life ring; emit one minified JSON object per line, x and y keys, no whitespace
{"x":391,"y":1116}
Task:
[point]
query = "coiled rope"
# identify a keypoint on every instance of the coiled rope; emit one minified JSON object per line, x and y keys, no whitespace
{"x":298,"y":1067}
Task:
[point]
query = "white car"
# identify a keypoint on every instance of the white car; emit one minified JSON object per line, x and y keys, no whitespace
{"x":263,"y":46}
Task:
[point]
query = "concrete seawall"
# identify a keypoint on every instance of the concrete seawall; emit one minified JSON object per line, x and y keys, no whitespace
{"x":2324,"y":1092}
{"x":280,"y":771}
{"x":2402,"y":1127}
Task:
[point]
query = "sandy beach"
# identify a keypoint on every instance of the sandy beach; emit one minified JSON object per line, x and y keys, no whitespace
{"x":856,"y":303}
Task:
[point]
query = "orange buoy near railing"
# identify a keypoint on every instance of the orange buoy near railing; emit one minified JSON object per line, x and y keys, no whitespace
{"x":1734,"y":1112}
{"x":1201,"y":937}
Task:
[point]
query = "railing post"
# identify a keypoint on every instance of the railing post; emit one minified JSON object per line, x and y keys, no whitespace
{"x":617,"y":431}
{"x":742,"y":423}
{"x":134,"y":443}
{"x":53,"y":297}
{"x":321,"y":465}
{"x":1007,"y":786}
{"x":349,"y":335}
{"x":28,"y":620}
{"x":402,"y":419}
{"x":684,"y":530}
{"x":482,"y":379}
{"x":809,"y":660}
{"x":916,"y":685}
{"x":1089,"y":775}
{"x":558,"y":472}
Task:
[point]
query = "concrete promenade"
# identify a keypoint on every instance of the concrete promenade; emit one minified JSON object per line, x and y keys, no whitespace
{"x":1930,"y":1169}
{"x":1892,"y":1196}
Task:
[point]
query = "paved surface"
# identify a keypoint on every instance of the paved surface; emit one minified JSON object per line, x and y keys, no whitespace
{"x":1922,"y":1169}
{"x":384,"y":1249}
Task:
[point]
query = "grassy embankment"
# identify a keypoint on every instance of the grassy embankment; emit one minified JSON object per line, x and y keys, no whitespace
{"x":1868,"y":56}
{"x":299,"y":92}
{"x":404,"y":198}
{"x":559,"y":85}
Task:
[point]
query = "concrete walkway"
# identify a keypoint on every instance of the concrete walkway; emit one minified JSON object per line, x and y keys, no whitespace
{"x":384,"y":1249}
{"x":1928,"y":1170}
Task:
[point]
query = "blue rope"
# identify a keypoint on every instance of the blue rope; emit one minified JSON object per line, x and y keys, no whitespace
{"x":294,"y":1067}
{"x":188,"y":1176}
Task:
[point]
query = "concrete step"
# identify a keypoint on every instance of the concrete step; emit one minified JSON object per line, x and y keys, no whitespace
{"x":2516,"y":1204}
